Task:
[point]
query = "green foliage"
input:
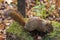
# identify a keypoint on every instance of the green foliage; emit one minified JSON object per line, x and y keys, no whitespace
{"x":40,"y":10}
{"x":52,"y":8}
{"x":18,"y":30}
{"x":15,"y":28}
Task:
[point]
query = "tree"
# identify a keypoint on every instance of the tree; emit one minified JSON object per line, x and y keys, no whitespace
{"x":21,"y":6}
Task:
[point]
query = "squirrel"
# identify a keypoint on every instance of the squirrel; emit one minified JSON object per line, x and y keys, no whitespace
{"x":34,"y":23}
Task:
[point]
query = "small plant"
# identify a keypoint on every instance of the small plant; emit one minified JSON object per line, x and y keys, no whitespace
{"x":40,"y":9}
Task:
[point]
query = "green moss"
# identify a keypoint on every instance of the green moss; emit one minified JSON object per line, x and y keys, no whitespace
{"x":15,"y":28}
{"x":18,"y":30}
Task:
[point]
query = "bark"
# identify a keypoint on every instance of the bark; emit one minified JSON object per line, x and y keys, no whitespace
{"x":21,"y":7}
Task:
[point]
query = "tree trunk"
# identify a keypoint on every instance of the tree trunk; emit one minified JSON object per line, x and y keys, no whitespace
{"x":21,"y":7}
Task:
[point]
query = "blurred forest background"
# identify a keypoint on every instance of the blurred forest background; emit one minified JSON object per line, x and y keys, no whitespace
{"x":45,"y":9}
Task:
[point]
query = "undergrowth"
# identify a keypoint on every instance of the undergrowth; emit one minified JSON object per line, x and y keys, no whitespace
{"x":18,"y":30}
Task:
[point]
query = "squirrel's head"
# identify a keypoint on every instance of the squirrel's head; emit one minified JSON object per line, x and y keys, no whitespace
{"x":49,"y":27}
